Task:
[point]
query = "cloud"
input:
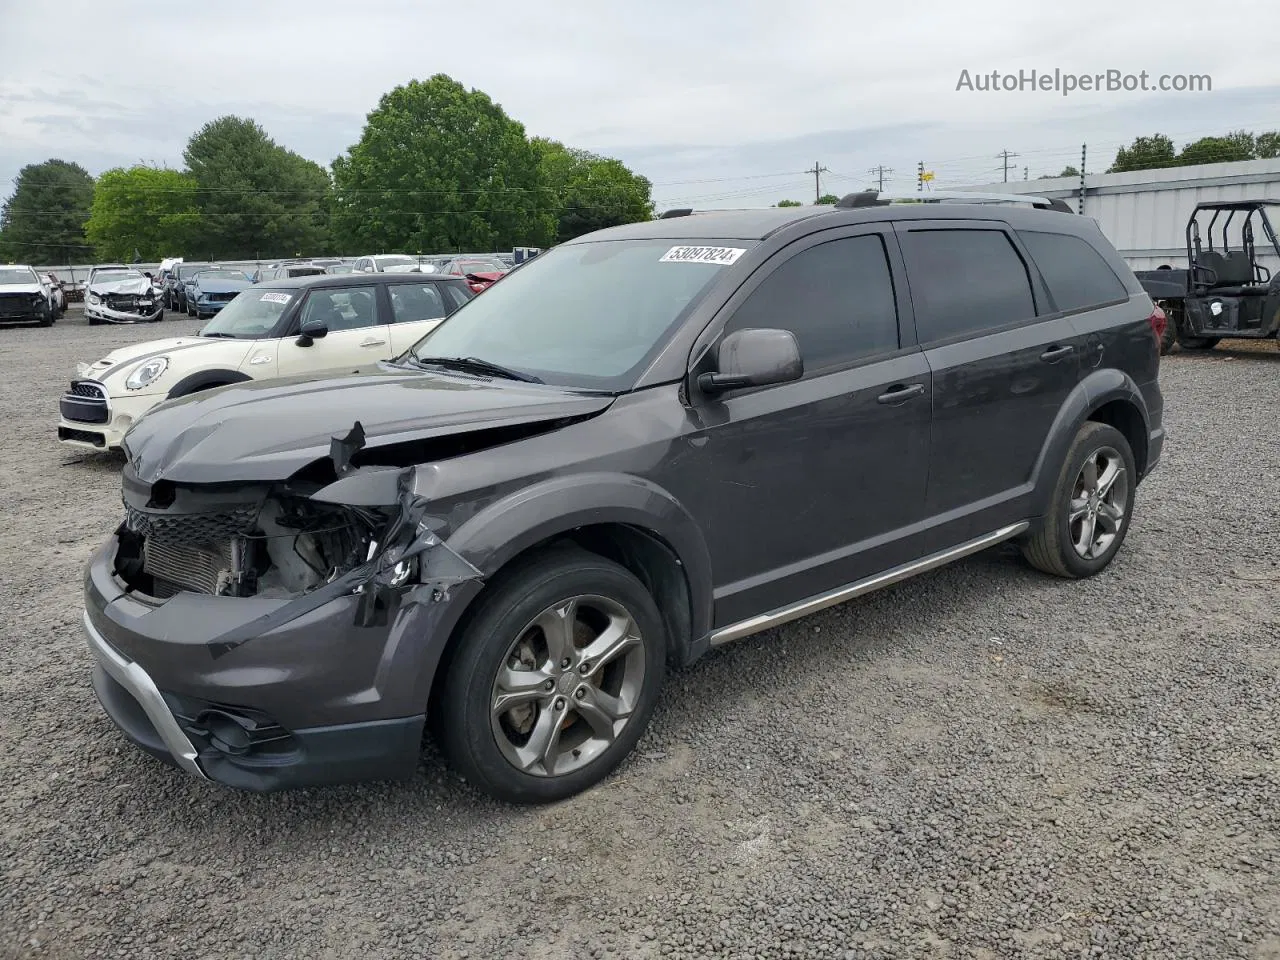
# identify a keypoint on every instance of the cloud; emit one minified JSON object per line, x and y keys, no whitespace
{"x":732,"y":91}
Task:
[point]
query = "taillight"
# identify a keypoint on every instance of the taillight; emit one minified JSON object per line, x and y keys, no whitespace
{"x":1159,"y":322}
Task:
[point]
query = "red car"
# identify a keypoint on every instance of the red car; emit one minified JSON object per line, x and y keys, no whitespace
{"x":480,"y":272}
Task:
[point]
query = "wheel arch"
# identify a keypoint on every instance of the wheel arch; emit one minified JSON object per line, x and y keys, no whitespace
{"x":206,"y":380}
{"x":1105,"y":396}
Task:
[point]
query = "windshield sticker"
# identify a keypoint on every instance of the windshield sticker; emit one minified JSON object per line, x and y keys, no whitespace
{"x":276,"y":297}
{"x":719,"y":255}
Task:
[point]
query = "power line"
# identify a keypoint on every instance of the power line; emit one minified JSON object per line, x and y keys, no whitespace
{"x":1006,"y":156}
{"x":817,"y":172}
{"x":879,"y":173}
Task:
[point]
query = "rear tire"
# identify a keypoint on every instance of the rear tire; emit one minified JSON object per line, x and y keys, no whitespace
{"x":578,"y":697}
{"x":1091,"y":507}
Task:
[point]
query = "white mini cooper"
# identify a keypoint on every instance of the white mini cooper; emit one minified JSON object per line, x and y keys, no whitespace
{"x":303,"y":326}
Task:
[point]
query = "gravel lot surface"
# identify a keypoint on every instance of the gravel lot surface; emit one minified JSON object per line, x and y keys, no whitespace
{"x":984,"y":762}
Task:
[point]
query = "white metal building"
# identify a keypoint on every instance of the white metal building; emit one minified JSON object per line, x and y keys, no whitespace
{"x":1145,"y":213}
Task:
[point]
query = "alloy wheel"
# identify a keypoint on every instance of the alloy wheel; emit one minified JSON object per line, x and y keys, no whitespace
{"x":567,"y":686}
{"x":1099,"y":499}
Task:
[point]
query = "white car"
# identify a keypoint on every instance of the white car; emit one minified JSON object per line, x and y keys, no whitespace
{"x":393,"y":263}
{"x":119,"y":294}
{"x":303,"y":326}
{"x":24,"y":296}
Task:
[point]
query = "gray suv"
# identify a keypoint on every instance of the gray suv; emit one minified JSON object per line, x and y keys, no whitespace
{"x":648,"y":442}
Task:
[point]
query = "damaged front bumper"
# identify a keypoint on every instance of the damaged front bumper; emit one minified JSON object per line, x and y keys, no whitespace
{"x":329,"y":685}
{"x":100,"y":311}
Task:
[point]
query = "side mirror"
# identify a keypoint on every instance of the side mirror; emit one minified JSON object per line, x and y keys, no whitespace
{"x":312,"y":330}
{"x":754,"y":358}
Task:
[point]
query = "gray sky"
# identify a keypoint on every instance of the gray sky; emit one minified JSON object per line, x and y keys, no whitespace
{"x":719,"y":103}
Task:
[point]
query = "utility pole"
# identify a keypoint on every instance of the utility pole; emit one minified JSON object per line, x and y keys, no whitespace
{"x":920,"y":177}
{"x":817,"y":171}
{"x":879,"y":173}
{"x":1006,"y":156}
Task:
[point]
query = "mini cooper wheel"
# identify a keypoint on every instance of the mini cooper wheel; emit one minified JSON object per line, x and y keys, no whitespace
{"x":554,"y":680}
{"x":1091,"y":507}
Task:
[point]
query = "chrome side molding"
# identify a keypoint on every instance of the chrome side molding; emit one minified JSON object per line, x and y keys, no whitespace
{"x":773,"y":618}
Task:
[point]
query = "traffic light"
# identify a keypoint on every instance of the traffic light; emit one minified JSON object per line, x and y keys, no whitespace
{"x":920,"y":176}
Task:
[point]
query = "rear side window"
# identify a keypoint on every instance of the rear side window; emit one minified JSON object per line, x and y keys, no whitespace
{"x":1076,"y":274}
{"x":411,"y":302}
{"x":836,"y":297}
{"x":965,"y":281}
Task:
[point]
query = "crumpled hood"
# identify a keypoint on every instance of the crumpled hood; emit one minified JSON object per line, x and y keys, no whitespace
{"x":138,"y":287}
{"x":31,"y":287}
{"x":268,"y":430}
{"x":127,"y":357}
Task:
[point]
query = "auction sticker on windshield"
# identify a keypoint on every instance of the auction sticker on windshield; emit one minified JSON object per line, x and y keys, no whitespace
{"x":276,"y":297}
{"x":720,"y":255}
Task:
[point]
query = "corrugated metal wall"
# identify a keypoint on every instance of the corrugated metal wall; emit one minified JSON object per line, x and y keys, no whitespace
{"x":1145,"y":213}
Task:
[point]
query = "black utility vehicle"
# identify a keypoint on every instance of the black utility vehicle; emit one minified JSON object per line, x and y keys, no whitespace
{"x":1226,"y":291}
{"x":647,"y":442}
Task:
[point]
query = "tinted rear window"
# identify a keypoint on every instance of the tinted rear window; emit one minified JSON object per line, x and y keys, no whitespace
{"x":966,"y":281}
{"x":1076,"y":274}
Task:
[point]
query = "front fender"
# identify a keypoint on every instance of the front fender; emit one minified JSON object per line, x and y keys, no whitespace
{"x":203,"y":379}
{"x":1092,"y":393}
{"x":495,"y":535}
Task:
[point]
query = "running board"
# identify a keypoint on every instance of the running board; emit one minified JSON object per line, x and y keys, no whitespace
{"x":765,"y":621}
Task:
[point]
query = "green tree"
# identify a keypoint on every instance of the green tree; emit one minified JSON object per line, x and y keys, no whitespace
{"x":826,"y":198}
{"x":1237,"y":145}
{"x":44,"y":218}
{"x":255,"y":197}
{"x":1267,"y":145}
{"x":143,"y":209}
{"x":440,"y":168}
{"x":789,"y":203}
{"x":591,"y":192}
{"x":1145,"y":153}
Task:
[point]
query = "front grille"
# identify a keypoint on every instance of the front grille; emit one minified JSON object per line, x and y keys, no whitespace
{"x":177,"y":566}
{"x":85,"y":388}
{"x":18,"y":305}
{"x":85,"y":402}
{"x":221,"y":297}
{"x":127,"y":303}
{"x":83,"y":436}
{"x":191,"y":528}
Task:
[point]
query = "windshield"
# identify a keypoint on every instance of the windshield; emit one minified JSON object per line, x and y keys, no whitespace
{"x":188,"y":270}
{"x":251,"y":315}
{"x":221,"y":275}
{"x":385,"y":262}
{"x":111,"y":276}
{"x":586,"y":314}
{"x":10,"y":275}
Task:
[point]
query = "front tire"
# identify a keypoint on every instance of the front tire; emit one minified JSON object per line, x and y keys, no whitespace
{"x":554,"y":680}
{"x":1092,"y":504}
{"x":1198,"y":343}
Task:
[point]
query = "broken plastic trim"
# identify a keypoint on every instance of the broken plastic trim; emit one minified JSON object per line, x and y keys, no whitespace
{"x":406,"y":538}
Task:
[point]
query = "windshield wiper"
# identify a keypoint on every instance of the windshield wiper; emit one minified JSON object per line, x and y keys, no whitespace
{"x":229,"y":336}
{"x":476,"y":365}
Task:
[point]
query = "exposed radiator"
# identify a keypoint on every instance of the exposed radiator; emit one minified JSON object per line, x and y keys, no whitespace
{"x":179,"y":566}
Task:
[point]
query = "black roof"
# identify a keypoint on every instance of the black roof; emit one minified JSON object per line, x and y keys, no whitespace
{"x":758,"y":224}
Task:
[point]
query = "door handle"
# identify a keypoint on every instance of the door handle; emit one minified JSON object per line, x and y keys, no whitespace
{"x":901,"y":393}
{"x":372,"y":343}
{"x":1054,"y":354}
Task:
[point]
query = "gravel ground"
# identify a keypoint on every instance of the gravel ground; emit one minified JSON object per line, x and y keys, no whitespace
{"x":981,"y":763}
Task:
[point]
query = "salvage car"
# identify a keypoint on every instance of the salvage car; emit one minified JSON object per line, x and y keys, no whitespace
{"x":175,"y":291}
{"x":646,"y":443}
{"x":120,"y":294}
{"x":389,"y":262}
{"x":308,"y":326}
{"x":210,"y":290}
{"x":479,"y":272}
{"x":24,"y":298}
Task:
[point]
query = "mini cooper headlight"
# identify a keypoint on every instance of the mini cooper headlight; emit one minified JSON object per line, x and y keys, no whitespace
{"x":148,"y":373}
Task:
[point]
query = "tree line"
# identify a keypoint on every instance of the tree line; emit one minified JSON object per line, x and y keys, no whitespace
{"x":437,"y":168}
{"x":1157,"y":151}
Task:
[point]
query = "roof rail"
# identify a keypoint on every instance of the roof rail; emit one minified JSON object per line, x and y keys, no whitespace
{"x":678,"y":212}
{"x":873,"y":198}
